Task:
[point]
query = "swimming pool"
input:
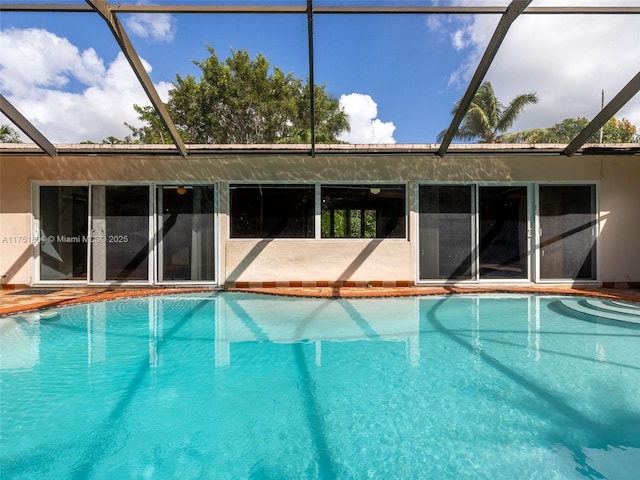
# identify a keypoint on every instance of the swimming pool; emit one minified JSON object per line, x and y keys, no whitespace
{"x":232,"y":385}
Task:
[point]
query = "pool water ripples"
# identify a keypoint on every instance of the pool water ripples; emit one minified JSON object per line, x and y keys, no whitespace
{"x":232,"y":385}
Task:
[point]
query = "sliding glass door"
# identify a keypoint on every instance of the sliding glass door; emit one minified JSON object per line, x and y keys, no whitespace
{"x":503,"y":232}
{"x":186,"y":233}
{"x":120,"y":225}
{"x":486,"y":232}
{"x":446,"y":235}
{"x":62,"y":233}
{"x":101,"y":234}
{"x":567,"y":215}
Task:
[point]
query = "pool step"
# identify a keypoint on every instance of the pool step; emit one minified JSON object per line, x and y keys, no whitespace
{"x":617,"y":307}
{"x":618,"y":311}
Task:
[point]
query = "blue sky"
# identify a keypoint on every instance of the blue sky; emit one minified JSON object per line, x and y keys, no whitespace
{"x":397,"y":75}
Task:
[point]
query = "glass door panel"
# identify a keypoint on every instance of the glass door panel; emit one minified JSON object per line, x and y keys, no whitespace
{"x":64,"y":213}
{"x":446,"y":232}
{"x":186,"y":229}
{"x":504,"y":251}
{"x":567,"y":232}
{"x":120,"y":233}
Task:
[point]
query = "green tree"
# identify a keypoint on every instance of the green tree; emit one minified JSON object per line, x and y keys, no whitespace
{"x":617,"y":131}
{"x":614,"y":131}
{"x":111,"y":140}
{"x":9,"y":135}
{"x":241,"y":101}
{"x":487,"y":118}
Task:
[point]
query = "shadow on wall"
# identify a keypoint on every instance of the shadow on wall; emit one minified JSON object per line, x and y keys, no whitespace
{"x":6,"y":276}
{"x":17,"y":174}
{"x":257,"y":250}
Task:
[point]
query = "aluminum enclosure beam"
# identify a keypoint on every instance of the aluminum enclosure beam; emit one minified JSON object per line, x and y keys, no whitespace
{"x":515,"y":8}
{"x":509,"y":14}
{"x":104,"y":10}
{"x":26,"y":126}
{"x":55,"y":7}
{"x":312,"y":83}
{"x":328,"y":9}
{"x":616,"y":103}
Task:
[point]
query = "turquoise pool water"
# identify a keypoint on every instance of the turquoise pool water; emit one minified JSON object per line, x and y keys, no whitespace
{"x":229,"y":385}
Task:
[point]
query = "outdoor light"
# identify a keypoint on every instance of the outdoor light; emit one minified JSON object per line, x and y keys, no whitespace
{"x":181,"y":190}
{"x":375,"y":191}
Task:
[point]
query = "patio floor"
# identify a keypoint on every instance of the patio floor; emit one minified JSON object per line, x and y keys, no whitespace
{"x":24,"y":299}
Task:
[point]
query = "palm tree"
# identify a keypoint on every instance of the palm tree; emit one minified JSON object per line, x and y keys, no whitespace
{"x":9,"y":135}
{"x":487,"y":119}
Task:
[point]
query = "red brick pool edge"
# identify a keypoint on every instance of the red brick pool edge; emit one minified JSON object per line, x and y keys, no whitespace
{"x":11,"y":301}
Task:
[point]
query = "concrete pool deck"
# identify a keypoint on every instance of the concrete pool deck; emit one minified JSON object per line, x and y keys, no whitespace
{"x":23,"y":299}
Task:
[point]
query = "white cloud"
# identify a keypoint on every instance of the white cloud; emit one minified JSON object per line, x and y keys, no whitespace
{"x":362,"y":111}
{"x":565,"y":59}
{"x":157,"y":27}
{"x":97,"y":106}
{"x":37,"y":58}
{"x":457,"y":39}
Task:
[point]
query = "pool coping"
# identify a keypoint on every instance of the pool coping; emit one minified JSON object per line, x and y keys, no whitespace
{"x":74,"y":296}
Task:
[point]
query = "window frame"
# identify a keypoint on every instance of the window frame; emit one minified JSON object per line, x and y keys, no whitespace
{"x":367,"y":185}
{"x":271,"y":184}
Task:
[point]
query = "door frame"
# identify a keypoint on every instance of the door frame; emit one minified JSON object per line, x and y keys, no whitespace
{"x":157,"y":245}
{"x":36,"y":232}
{"x":150,"y":236}
{"x":529,"y":221}
{"x":154,"y":241}
{"x":596,"y":233}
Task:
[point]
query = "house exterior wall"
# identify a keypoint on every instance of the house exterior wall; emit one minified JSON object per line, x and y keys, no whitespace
{"x":620,"y":220}
{"x":274,"y":260}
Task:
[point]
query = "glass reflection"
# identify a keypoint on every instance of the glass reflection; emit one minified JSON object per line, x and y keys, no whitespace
{"x":317,"y":322}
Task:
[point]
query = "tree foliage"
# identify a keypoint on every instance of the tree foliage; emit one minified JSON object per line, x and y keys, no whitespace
{"x":9,"y":135}
{"x":614,"y":131}
{"x":242,"y":101}
{"x":487,"y":118}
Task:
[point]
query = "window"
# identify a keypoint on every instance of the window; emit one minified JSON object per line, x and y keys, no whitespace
{"x":272,"y":211}
{"x":363,"y":211}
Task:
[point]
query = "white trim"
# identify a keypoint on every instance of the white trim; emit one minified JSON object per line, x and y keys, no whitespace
{"x":317,"y":213}
{"x":36,"y":256}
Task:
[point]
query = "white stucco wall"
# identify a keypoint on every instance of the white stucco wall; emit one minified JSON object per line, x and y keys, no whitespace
{"x":325,"y":260}
{"x":620,"y":220}
{"x":328,"y":260}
